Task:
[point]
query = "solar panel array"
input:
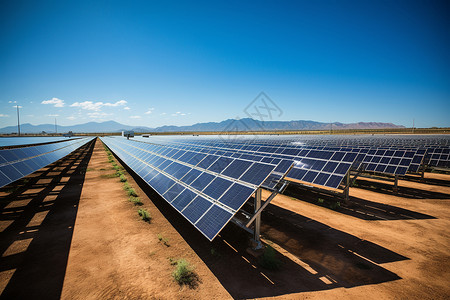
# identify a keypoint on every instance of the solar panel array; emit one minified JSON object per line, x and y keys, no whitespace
{"x":430,"y":150}
{"x":16,"y":163}
{"x":207,"y":180}
{"x":321,"y":167}
{"x":29,"y":140}
{"x":206,"y":189}
{"x":438,"y":157}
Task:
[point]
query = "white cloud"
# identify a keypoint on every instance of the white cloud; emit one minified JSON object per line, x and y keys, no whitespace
{"x":135,"y":117}
{"x":126,"y":108}
{"x":15,"y":106}
{"x":57,"y":102}
{"x":88,"y":105}
{"x":3,"y":116}
{"x":163,"y":114}
{"x":118,"y":103}
{"x":149,"y":111}
{"x":12,"y":101}
{"x":71,"y":118}
{"x":96,"y":106}
{"x":52,"y":115}
{"x":96,"y":115}
{"x":178,"y":113}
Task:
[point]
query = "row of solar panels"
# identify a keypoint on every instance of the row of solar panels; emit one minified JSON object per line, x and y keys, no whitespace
{"x":438,"y":156}
{"x":206,"y":189}
{"x":19,"y":162}
{"x":345,"y":141}
{"x":437,"y":148}
{"x":29,"y":140}
{"x":324,"y":166}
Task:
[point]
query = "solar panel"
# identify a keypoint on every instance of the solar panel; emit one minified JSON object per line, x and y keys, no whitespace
{"x":16,"y":163}
{"x":438,"y":157}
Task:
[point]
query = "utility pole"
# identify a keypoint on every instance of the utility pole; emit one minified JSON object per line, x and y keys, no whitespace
{"x":413,"y":126}
{"x":18,"y":120}
{"x":56,"y":128}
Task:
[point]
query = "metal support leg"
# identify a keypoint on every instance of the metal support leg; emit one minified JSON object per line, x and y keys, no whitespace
{"x":396,"y":184}
{"x":347,"y":189}
{"x":257,"y":225}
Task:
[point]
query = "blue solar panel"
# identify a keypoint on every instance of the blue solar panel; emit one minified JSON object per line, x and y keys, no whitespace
{"x":234,"y":195}
{"x":196,"y":209}
{"x":213,"y":221}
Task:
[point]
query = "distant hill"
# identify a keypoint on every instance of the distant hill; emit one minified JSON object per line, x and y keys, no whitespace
{"x":246,"y":124}
{"x":108,"y":126}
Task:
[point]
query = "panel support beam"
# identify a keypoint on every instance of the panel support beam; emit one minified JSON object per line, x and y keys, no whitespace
{"x":257,"y":226}
{"x":258,"y":211}
{"x":396,"y":184}
{"x":347,"y":188}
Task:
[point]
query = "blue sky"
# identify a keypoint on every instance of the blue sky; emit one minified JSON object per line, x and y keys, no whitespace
{"x":178,"y":63}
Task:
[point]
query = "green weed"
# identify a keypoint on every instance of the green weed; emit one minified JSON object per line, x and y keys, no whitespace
{"x":269,"y":259}
{"x":184,"y":273}
{"x":163,"y":240}
{"x":131,"y":192}
{"x":145,"y":215}
{"x":135,"y":200}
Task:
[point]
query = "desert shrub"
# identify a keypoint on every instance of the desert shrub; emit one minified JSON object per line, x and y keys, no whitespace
{"x":135,"y":200}
{"x":269,"y":259}
{"x":122,"y":178}
{"x":145,"y":215}
{"x":131,"y":192}
{"x":184,"y":273}
{"x":118,"y":173}
{"x":163,"y":240}
{"x":320,"y":201}
{"x":335,"y":205}
{"x":126,"y":186}
{"x":108,"y":175}
{"x":215,"y":253}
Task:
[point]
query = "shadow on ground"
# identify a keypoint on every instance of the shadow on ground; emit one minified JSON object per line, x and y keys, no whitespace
{"x":241,"y":275}
{"x":38,"y":215}
{"x":404,"y":192}
{"x":426,"y":180}
{"x":357,"y":207}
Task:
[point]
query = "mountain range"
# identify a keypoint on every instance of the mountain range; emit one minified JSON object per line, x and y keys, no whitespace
{"x":246,"y":124}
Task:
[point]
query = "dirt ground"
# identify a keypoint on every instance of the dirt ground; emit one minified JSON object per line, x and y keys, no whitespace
{"x":68,"y":231}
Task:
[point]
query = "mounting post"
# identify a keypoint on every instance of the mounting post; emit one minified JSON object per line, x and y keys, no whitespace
{"x":258,"y":211}
{"x":396,"y":184}
{"x":257,"y":225}
{"x":347,"y":188}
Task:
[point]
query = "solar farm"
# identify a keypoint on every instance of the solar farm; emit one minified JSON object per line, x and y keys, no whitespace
{"x":311,"y":216}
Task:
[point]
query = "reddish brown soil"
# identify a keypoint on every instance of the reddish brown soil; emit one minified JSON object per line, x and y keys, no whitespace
{"x":69,"y":232}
